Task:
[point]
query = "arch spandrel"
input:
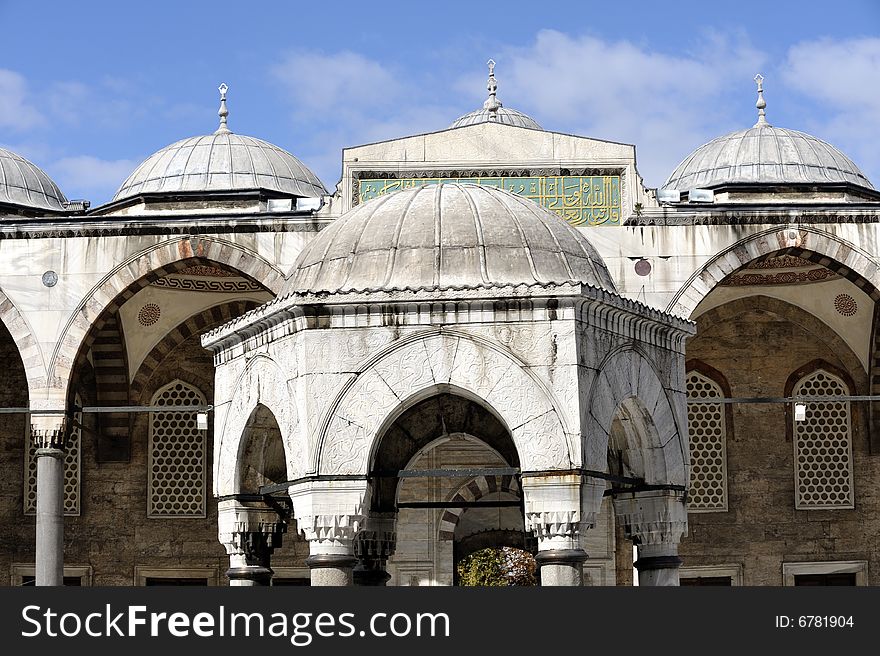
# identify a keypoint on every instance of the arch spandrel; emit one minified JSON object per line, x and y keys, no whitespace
{"x":262,"y":382}
{"x":479,"y":370}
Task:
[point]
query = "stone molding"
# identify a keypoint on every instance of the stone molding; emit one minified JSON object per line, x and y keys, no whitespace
{"x":557,"y":509}
{"x":653,"y":517}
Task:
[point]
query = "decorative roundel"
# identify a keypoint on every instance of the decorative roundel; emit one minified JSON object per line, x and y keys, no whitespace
{"x":643,"y":267}
{"x":845,"y":305}
{"x":149,"y":314}
{"x":50,"y":278}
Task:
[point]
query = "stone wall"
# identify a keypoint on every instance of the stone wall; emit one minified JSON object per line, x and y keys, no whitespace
{"x":757,"y":343}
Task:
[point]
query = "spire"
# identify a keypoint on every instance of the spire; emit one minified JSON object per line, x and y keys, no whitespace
{"x":223,"y":113}
{"x":492,"y":103}
{"x":761,"y":104}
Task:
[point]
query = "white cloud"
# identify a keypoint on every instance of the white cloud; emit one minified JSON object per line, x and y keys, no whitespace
{"x":617,"y":90}
{"x":346,"y":99}
{"x":84,"y":176}
{"x":339,"y":83}
{"x":842,"y":78}
{"x":15,"y":110}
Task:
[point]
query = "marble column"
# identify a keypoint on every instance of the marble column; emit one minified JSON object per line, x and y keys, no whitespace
{"x":373,"y":546}
{"x":655,"y":520}
{"x":49,"y":433}
{"x":330,"y":514}
{"x":555,"y":512}
{"x":250,"y":531}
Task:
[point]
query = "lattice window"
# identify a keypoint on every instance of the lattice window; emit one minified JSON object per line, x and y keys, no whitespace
{"x":708,"y":438}
{"x":177,"y":455}
{"x":72,"y":471}
{"x":823,"y":477}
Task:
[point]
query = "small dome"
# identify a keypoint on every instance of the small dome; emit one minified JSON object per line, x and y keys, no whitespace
{"x":764,"y":154}
{"x":502,"y":115}
{"x":446,"y":236}
{"x":493,"y":111}
{"x":25,"y":184}
{"x":218,"y":162}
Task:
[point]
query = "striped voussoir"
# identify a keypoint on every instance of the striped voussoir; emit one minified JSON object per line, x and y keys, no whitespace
{"x":474,"y":490}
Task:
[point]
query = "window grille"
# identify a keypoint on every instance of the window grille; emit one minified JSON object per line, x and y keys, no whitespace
{"x":177,"y":455}
{"x":823,"y":446}
{"x":708,"y":437}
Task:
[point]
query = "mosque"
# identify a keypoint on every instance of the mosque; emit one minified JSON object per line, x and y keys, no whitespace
{"x":488,"y":335}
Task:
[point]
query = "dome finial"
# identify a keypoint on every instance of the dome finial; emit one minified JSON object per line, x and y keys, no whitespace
{"x":761,"y":104}
{"x":492,"y":103}
{"x":223,"y":113}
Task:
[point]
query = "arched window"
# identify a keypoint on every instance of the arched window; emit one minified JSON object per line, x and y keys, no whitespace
{"x":823,"y":477}
{"x":176,"y":477}
{"x":72,"y":470}
{"x":707,"y":426}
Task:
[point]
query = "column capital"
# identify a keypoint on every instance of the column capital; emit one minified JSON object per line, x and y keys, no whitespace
{"x":330,"y":513}
{"x":558,"y":508}
{"x":249,"y":528}
{"x":652,"y":517}
{"x":50,"y":431}
{"x":378,"y":537}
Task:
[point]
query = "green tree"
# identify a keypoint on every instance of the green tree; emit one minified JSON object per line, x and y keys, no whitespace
{"x":503,"y":566}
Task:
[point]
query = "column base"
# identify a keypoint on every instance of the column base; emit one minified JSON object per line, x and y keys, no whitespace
{"x":561,"y":567}
{"x":331,"y":569}
{"x":256,"y":575}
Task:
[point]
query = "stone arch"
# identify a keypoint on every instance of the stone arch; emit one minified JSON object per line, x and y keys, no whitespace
{"x":138,"y":271}
{"x":628,"y":388}
{"x":22,"y":334}
{"x":196,"y":324}
{"x":262,"y":382}
{"x":807,"y":242}
{"x":413,"y":369}
{"x":474,"y":490}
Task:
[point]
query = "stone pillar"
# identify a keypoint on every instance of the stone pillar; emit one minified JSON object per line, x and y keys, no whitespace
{"x":49,"y":433}
{"x":250,"y":531}
{"x":555,"y":511}
{"x":655,"y":520}
{"x":373,"y":546}
{"x":329,"y":514}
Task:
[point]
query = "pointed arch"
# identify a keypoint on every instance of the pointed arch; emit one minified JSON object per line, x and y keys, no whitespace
{"x":807,"y":242}
{"x":262,"y":382}
{"x":138,"y":271}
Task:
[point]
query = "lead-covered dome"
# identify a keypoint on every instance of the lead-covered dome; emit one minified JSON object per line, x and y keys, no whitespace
{"x":221,"y":162}
{"x":765,"y":155}
{"x":446,"y":236}
{"x":24,"y":184}
{"x":493,"y":111}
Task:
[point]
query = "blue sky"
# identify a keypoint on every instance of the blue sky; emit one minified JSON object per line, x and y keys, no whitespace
{"x":90,"y":89}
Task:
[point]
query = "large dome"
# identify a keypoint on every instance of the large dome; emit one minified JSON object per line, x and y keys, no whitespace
{"x":220,"y":162}
{"x":446,"y":236}
{"x":493,"y":111}
{"x":25,"y":184}
{"x":765,"y":155}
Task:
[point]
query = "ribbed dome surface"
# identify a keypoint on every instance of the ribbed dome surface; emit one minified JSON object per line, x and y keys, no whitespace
{"x":502,"y":115}
{"x":765,"y":155}
{"x":221,"y":162}
{"x":23,"y":183}
{"x":446,"y":236}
